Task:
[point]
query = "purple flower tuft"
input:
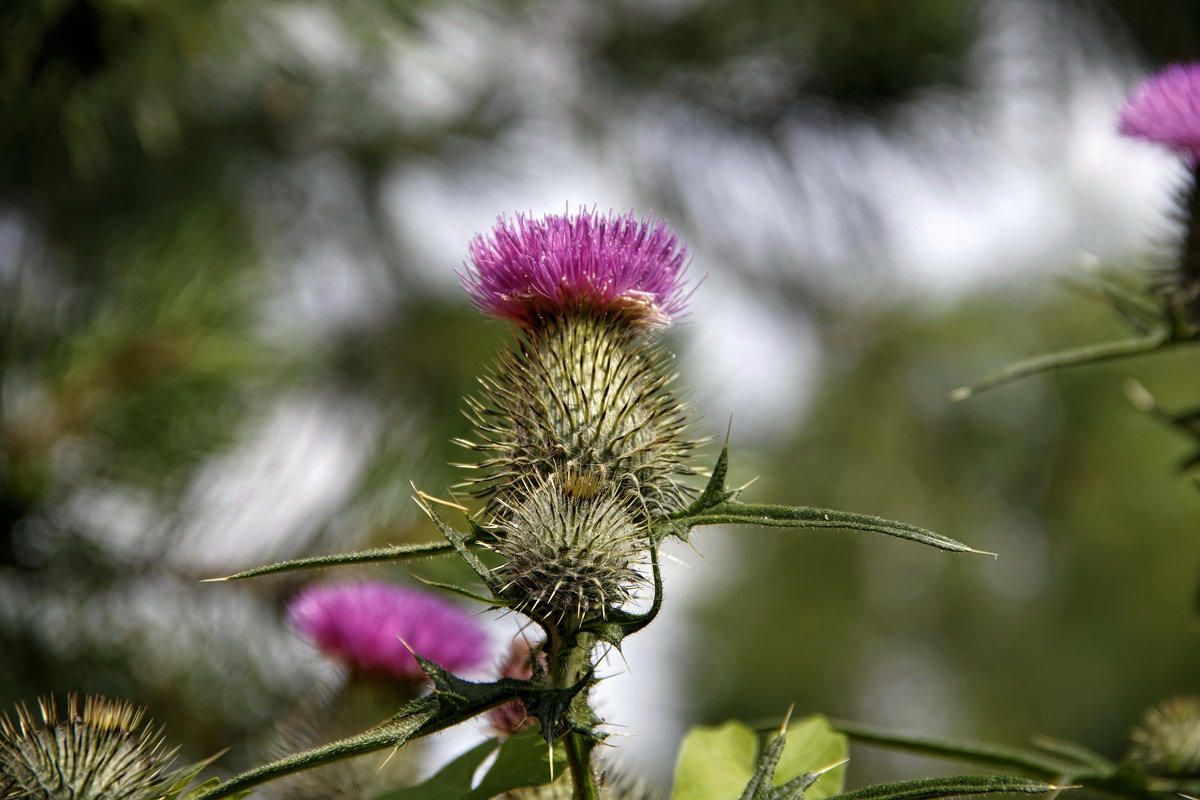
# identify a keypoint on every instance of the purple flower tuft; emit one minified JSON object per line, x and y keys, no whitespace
{"x":1165,"y":108}
{"x":362,"y":624}
{"x":584,"y":263}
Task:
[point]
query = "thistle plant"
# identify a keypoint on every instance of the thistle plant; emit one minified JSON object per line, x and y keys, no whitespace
{"x":584,"y":450}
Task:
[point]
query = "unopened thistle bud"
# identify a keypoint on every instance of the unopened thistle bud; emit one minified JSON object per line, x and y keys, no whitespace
{"x":103,"y":753}
{"x":569,"y":558}
{"x":1167,"y":742}
{"x":583,"y":395}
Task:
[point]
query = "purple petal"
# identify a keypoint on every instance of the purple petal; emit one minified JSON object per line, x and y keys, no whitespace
{"x":585,"y":263}
{"x":363,"y":624}
{"x":1165,"y":108}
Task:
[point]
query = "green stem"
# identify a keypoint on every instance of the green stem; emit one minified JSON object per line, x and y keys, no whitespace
{"x":579,"y":759}
{"x":569,"y":660}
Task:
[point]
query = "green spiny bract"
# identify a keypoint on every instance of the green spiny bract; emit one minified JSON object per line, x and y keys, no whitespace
{"x":568,"y":559}
{"x":105,"y":753}
{"x":585,"y":400}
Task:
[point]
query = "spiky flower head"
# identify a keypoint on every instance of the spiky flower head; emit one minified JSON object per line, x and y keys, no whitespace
{"x":1167,"y":742}
{"x":371,"y":626}
{"x":104,"y":753}
{"x":588,"y":263}
{"x":588,"y":405}
{"x":568,"y":558}
{"x":1165,"y":108}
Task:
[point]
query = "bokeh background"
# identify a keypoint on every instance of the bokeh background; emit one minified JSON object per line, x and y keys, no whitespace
{"x":231,"y":333}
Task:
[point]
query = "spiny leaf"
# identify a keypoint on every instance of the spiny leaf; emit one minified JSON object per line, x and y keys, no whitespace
{"x":1091,"y":354}
{"x":418,"y":718}
{"x":449,"y":587}
{"x":374,"y":555}
{"x":760,"y":784}
{"x":963,"y":785}
{"x":212,"y":783}
{"x":715,"y":491}
{"x":816,"y":752}
{"x":1029,"y":761}
{"x":1076,"y":752}
{"x":459,"y":543}
{"x":732,"y":512}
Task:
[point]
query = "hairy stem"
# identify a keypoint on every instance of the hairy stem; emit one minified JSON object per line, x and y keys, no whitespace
{"x":579,"y":758}
{"x":569,"y":660}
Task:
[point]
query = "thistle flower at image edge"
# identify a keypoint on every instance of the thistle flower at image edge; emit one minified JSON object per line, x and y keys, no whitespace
{"x":103,"y":751}
{"x":370,"y":626}
{"x":1165,"y":108}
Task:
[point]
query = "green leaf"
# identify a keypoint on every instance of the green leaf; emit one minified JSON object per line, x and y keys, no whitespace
{"x":374,"y":555}
{"x":813,"y":745}
{"x":521,"y":760}
{"x":452,"y":782}
{"x":524,"y":760}
{"x":732,"y":512}
{"x":962,"y":785}
{"x":715,"y":763}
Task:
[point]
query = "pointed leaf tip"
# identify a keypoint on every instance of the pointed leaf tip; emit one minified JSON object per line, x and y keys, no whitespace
{"x":214,"y":580}
{"x":961,"y":393}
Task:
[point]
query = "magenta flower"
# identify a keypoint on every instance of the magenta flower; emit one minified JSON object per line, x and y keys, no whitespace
{"x":587,"y":263}
{"x":1165,"y":108}
{"x":362,"y":624}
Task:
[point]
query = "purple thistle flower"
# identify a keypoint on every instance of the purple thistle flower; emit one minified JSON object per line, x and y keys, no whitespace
{"x":584,"y":263}
{"x":1165,"y":108}
{"x":362,"y":624}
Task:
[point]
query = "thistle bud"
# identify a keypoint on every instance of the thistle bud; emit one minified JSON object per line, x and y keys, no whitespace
{"x":103,"y":753}
{"x":1167,"y":742}
{"x":568,"y":558}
